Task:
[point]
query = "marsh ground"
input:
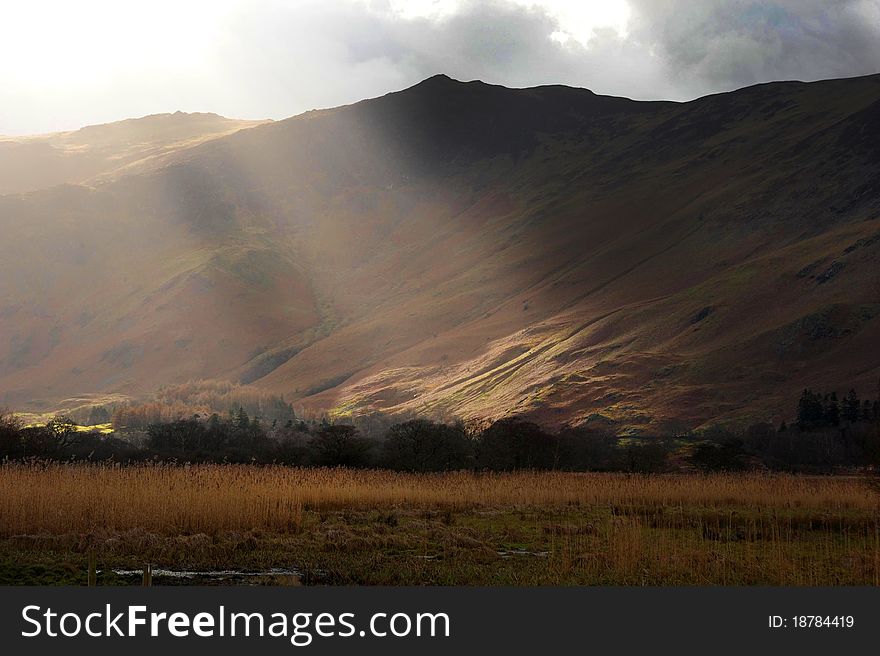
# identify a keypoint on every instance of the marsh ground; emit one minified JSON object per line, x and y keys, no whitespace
{"x":252,"y":525}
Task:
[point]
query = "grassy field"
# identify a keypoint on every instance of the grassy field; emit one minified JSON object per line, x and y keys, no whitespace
{"x":281,"y":525}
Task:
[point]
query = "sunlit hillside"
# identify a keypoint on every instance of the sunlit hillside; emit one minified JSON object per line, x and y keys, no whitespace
{"x":103,"y":151}
{"x":465,"y":249}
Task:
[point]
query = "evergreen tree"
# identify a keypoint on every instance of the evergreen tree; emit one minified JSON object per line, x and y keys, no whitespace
{"x":832,"y":410}
{"x":241,"y":418}
{"x":809,"y":412}
{"x":851,"y":407}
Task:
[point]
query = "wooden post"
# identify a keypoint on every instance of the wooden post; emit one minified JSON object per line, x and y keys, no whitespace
{"x":148,"y":575}
{"x":93,"y":570}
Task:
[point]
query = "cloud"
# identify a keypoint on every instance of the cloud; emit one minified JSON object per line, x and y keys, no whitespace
{"x":716,"y":45}
{"x":668,"y":49}
{"x":319,"y":54}
{"x":276,"y":58}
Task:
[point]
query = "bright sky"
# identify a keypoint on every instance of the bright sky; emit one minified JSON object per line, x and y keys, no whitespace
{"x":50,"y":46}
{"x":66,"y":63}
{"x":54,"y":45}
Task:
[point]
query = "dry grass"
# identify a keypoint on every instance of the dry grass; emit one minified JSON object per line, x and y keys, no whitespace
{"x":338,"y":526}
{"x":52,"y":498}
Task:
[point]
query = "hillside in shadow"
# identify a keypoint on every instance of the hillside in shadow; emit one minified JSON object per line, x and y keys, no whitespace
{"x":468,"y":249}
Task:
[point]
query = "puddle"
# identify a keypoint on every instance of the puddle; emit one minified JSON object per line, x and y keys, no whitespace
{"x":219,"y":575}
{"x":523,"y":552}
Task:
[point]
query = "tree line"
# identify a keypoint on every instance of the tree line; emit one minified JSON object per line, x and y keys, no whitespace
{"x":827,"y":434}
{"x":415,"y":445}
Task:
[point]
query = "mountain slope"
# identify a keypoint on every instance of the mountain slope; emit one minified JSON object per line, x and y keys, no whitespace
{"x":470,"y":249}
{"x":42,"y":161}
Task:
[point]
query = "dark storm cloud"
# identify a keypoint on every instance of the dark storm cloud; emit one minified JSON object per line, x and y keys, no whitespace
{"x":715,"y":45}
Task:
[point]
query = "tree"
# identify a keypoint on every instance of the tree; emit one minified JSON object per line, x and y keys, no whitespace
{"x":832,"y":410}
{"x":339,"y":445}
{"x":510,"y":444}
{"x":584,"y":448}
{"x":241,"y":418}
{"x":63,"y":430}
{"x":646,"y":456}
{"x":727,"y":456}
{"x":422,"y":445}
{"x":50,"y":441}
{"x":851,"y":410}
{"x":177,"y":439}
{"x":810,"y":412}
{"x":11,"y":445}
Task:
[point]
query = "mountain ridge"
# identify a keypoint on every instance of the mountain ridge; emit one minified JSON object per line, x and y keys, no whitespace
{"x":468,"y":249}
{"x":33,"y":162}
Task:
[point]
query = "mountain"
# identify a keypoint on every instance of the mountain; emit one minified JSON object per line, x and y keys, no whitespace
{"x":469,"y":249}
{"x":99,"y":151}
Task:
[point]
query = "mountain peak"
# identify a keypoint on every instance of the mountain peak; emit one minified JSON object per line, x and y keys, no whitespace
{"x":441,"y":78}
{"x":440,"y":81}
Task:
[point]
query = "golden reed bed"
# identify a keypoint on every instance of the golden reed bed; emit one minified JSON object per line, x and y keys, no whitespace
{"x":60,"y":498}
